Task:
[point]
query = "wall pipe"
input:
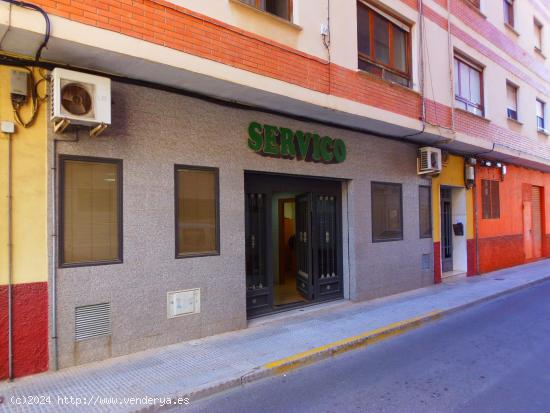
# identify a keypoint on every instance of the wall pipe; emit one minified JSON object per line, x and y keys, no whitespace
{"x":476,"y":219}
{"x":10,"y":258}
{"x":53,"y":293}
{"x":451,"y":63}
{"x":53,"y":281}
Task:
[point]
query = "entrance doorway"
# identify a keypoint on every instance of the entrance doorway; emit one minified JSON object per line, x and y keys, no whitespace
{"x":532,"y":222}
{"x":284,"y":288}
{"x":293,"y":241}
{"x":454,"y":251}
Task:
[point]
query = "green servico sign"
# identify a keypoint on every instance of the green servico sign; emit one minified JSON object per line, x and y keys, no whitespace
{"x":285,"y":143}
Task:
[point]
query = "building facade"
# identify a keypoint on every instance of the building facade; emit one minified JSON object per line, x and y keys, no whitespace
{"x":259,"y":156}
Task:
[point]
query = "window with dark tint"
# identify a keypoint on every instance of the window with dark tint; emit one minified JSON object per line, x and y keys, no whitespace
{"x":387,"y":212}
{"x":91,"y":211}
{"x":383,"y":44}
{"x":538,"y":34}
{"x":541,"y":116}
{"x":197,"y":214}
{"x":490,"y":199}
{"x":468,"y":86}
{"x":425,"y":211}
{"x":281,"y":8}
{"x":509,"y":12}
{"x":512,"y":101}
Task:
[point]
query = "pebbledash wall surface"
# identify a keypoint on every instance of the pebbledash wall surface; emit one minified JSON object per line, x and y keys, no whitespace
{"x":152,"y":131}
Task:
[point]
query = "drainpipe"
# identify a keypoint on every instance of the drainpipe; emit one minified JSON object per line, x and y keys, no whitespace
{"x":421,"y":56}
{"x":451,"y":65}
{"x":53,"y":177}
{"x":476,"y":222}
{"x":10,"y":259}
{"x":53,"y":195}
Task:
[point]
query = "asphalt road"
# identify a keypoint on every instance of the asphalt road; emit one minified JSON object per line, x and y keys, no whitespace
{"x":494,"y":357}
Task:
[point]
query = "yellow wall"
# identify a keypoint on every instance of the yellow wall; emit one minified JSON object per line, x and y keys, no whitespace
{"x":451,"y":175}
{"x":29,"y":191}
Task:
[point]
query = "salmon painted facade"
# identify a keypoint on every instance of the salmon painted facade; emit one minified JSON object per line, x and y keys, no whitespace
{"x":215,"y":161}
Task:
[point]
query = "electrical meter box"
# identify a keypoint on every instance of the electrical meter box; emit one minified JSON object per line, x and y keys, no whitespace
{"x":19,"y":85}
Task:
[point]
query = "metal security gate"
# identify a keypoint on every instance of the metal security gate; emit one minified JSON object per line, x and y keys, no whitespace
{"x":325,"y":247}
{"x":317,"y":242}
{"x":258,"y":293}
{"x":304,"y":276}
{"x":446,"y":230}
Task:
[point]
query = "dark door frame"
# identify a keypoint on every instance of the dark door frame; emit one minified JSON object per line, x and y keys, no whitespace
{"x":271,"y":183}
{"x":446,"y":231}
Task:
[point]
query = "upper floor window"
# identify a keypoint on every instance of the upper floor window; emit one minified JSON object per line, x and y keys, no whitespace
{"x":538,"y":35}
{"x":383,"y":44}
{"x":541,"y":115}
{"x":468,"y":86}
{"x":475,"y":3}
{"x":281,"y":8}
{"x":512,"y":101}
{"x":509,"y":12}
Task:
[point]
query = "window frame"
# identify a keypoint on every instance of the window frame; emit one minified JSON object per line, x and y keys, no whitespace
{"x":217,"y":252}
{"x":372,"y":59}
{"x":543,"y":107}
{"x":479,"y":69}
{"x":538,"y":39}
{"x":510,"y":6}
{"x":516,"y":89}
{"x":492,"y":212}
{"x":429,"y":188}
{"x":61,"y":210}
{"x":257,"y":5}
{"x":400,"y":186}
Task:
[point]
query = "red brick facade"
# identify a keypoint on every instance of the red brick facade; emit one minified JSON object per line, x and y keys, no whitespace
{"x":169,"y":25}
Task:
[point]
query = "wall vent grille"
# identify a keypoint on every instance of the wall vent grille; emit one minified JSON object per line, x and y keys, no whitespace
{"x":92,"y":321}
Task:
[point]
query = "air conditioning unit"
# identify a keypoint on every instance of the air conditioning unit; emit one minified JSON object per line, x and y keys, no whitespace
{"x":80,"y":99}
{"x":429,"y":161}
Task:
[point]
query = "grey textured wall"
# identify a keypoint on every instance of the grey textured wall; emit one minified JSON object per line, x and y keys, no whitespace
{"x":152,"y":131}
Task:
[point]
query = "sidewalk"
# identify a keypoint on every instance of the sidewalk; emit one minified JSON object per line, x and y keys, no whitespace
{"x":269,"y":346}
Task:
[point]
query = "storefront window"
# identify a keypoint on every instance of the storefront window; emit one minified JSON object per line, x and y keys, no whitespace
{"x":91,"y":213}
{"x":425,"y":211}
{"x":387,"y":212}
{"x":197,"y":217}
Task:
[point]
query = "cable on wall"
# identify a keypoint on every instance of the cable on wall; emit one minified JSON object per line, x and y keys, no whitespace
{"x":34,"y":7}
{"x":14,"y":61}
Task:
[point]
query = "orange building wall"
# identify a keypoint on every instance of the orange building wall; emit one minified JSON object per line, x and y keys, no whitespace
{"x":501,"y":240}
